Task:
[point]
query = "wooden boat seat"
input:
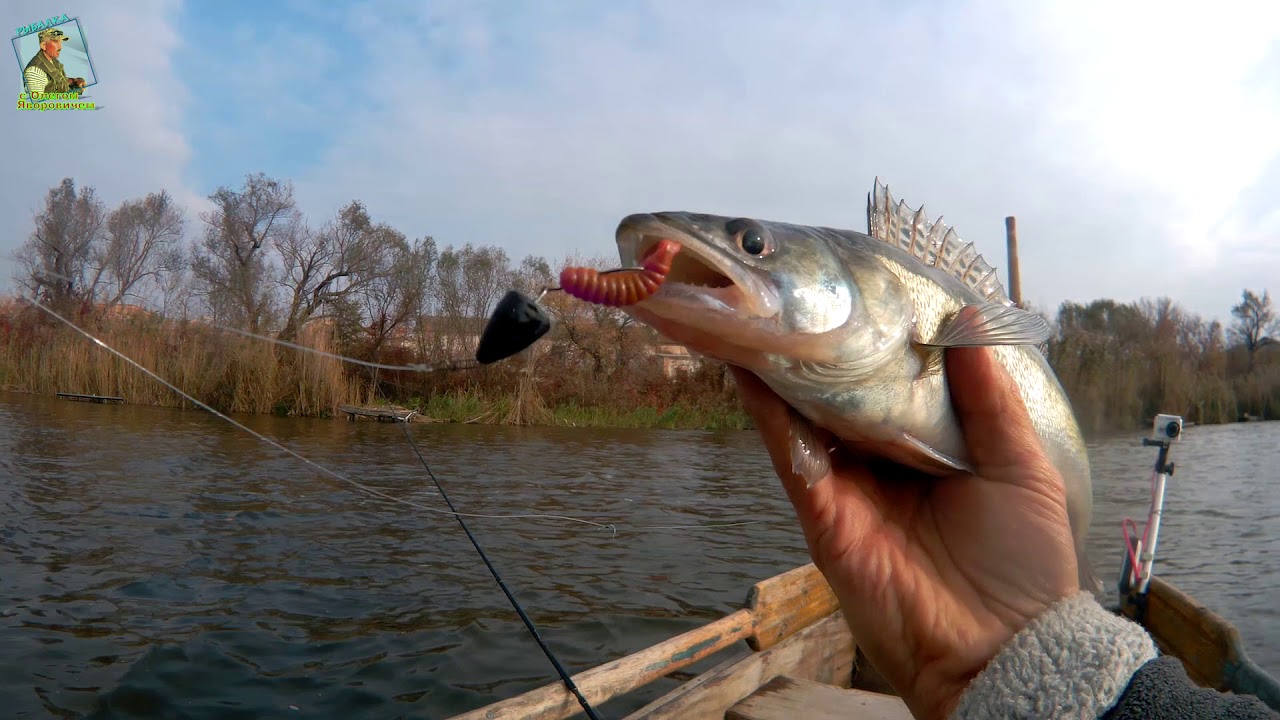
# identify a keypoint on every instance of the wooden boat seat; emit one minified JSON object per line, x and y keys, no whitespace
{"x":786,"y":698}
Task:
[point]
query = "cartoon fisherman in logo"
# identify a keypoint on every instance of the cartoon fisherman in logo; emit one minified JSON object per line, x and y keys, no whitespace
{"x":45,"y":74}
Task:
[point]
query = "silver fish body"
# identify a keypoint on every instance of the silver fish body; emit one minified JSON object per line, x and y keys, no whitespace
{"x":851,"y":330}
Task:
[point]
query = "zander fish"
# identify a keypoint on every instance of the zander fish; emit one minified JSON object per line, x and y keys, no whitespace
{"x":850,"y":329}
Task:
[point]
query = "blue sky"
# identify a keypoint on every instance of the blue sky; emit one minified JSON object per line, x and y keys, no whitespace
{"x":1135,"y":144}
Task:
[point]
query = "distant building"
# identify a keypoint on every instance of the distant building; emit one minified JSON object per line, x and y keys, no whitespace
{"x":675,"y":358}
{"x":122,"y":311}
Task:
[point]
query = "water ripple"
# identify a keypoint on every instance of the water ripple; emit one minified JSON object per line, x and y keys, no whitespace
{"x":160,"y":564}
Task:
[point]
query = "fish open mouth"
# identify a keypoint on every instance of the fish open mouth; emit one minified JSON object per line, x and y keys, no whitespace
{"x":688,"y":267}
{"x":701,"y":279}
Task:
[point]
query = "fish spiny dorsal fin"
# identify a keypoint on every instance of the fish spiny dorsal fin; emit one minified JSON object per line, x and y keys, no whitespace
{"x":933,"y":243}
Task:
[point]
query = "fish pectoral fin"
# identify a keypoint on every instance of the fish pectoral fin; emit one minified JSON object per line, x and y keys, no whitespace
{"x":809,"y":457}
{"x":992,"y":324}
{"x":914,"y":452}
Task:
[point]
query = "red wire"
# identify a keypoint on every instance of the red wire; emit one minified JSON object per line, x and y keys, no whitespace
{"x":1128,"y":543}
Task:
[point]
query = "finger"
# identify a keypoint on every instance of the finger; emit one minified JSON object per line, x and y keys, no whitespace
{"x":997,"y":427}
{"x":787,"y":436}
{"x":771,"y":415}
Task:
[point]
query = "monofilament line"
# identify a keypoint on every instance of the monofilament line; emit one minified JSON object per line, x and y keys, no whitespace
{"x":466,"y":364}
{"x":524,"y":617}
{"x":331,"y":473}
{"x":367,"y":489}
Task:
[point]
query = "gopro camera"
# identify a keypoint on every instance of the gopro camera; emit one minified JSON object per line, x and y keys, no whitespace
{"x":1167,"y":428}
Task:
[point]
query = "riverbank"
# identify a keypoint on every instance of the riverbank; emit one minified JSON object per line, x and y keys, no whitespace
{"x":240,"y":375}
{"x":472,"y":409}
{"x":572,"y":382}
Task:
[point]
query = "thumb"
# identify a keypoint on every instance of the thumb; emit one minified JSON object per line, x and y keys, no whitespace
{"x":1001,"y":438}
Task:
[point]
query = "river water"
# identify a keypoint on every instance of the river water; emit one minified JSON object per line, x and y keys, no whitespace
{"x":158,"y":563}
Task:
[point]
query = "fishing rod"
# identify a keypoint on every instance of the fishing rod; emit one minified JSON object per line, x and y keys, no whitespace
{"x":516,"y":323}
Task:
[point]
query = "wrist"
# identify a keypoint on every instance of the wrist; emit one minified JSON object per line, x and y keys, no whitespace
{"x":1075,"y":660}
{"x":939,"y":687}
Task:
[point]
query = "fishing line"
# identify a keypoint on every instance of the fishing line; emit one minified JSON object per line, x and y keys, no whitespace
{"x":528,"y":622}
{"x":331,"y":473}
{"x":463,"y":364}
{"x":524,"y":617}
{"x":467,"y":364}
{"x":367,"y":489}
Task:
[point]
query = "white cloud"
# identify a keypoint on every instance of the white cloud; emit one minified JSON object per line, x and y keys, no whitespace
{"x":1161,"y":97}
{"x":131,"y":147}
{"x":1134,"y":143}
{"x":1122,"y":140}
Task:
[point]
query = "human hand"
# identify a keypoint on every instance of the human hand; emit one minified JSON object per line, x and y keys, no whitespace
{"x":935,"y":574}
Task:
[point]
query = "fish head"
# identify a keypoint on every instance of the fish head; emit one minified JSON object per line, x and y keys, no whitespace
{"x":744,"y":290}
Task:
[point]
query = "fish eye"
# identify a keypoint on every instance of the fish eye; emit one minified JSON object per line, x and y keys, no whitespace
{"x":753,"y":239}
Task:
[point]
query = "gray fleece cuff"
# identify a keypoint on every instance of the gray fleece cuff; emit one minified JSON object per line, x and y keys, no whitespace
{"x":1074,"y":661}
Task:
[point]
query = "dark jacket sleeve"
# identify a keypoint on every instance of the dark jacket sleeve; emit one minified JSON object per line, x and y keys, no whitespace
{"x":1079,"y":660}
{"x":1161,"y":689}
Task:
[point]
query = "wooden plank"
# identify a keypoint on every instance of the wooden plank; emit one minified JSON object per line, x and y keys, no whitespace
{"x":380,"y":414}
{"x":1210,"y":648}
{"x":81,"y":397}
{"x":787,"y":698}
{"x":822,"y":653}
{"x":787,"y":603}
{"x":599,"y":684}
{"x":1188,"y":630}
{"x":776,"y":609}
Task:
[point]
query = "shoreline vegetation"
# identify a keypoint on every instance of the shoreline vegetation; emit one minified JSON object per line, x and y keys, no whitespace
{"x":163,"y":290}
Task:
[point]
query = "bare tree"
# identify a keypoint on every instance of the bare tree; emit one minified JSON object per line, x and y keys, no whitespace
{"x":1255,"y":322}
{"x":231,"y":265}
{"x":533,"y":275}
{"x":596,"y":332}
{"x":175,"y":290}
{"x":341,"y":259}
{"x":468,"y":283}
{"x":486,"y":278}
{"x":57,"y":258}
{"x":143,"y":244}
{"x":395,"y":296}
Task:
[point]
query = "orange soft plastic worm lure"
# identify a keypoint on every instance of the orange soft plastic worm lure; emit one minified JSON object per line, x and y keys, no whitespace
{"x":621,"y":287}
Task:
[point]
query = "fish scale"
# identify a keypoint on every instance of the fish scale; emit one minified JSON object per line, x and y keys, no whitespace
{"x":850,"y":329}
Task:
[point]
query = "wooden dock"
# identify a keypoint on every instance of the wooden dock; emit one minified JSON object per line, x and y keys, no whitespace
{"x":80,"y":397}
{"x":379,"y":414}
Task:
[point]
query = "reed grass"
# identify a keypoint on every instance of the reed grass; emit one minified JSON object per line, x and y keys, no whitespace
{"x":230,"y":373}
{"x":1112,"y":384}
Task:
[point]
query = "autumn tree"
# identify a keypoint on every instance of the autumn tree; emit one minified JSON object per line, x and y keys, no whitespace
{"x":467,"y":283}
{"x":396,"y":296}
{"x":57,"y":260}
{"x":340,"y":260}
{"x":1255,"y":322}
{"x":231,"y":266}
{"x":532,"y":276}
{"x":143,"y":246}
